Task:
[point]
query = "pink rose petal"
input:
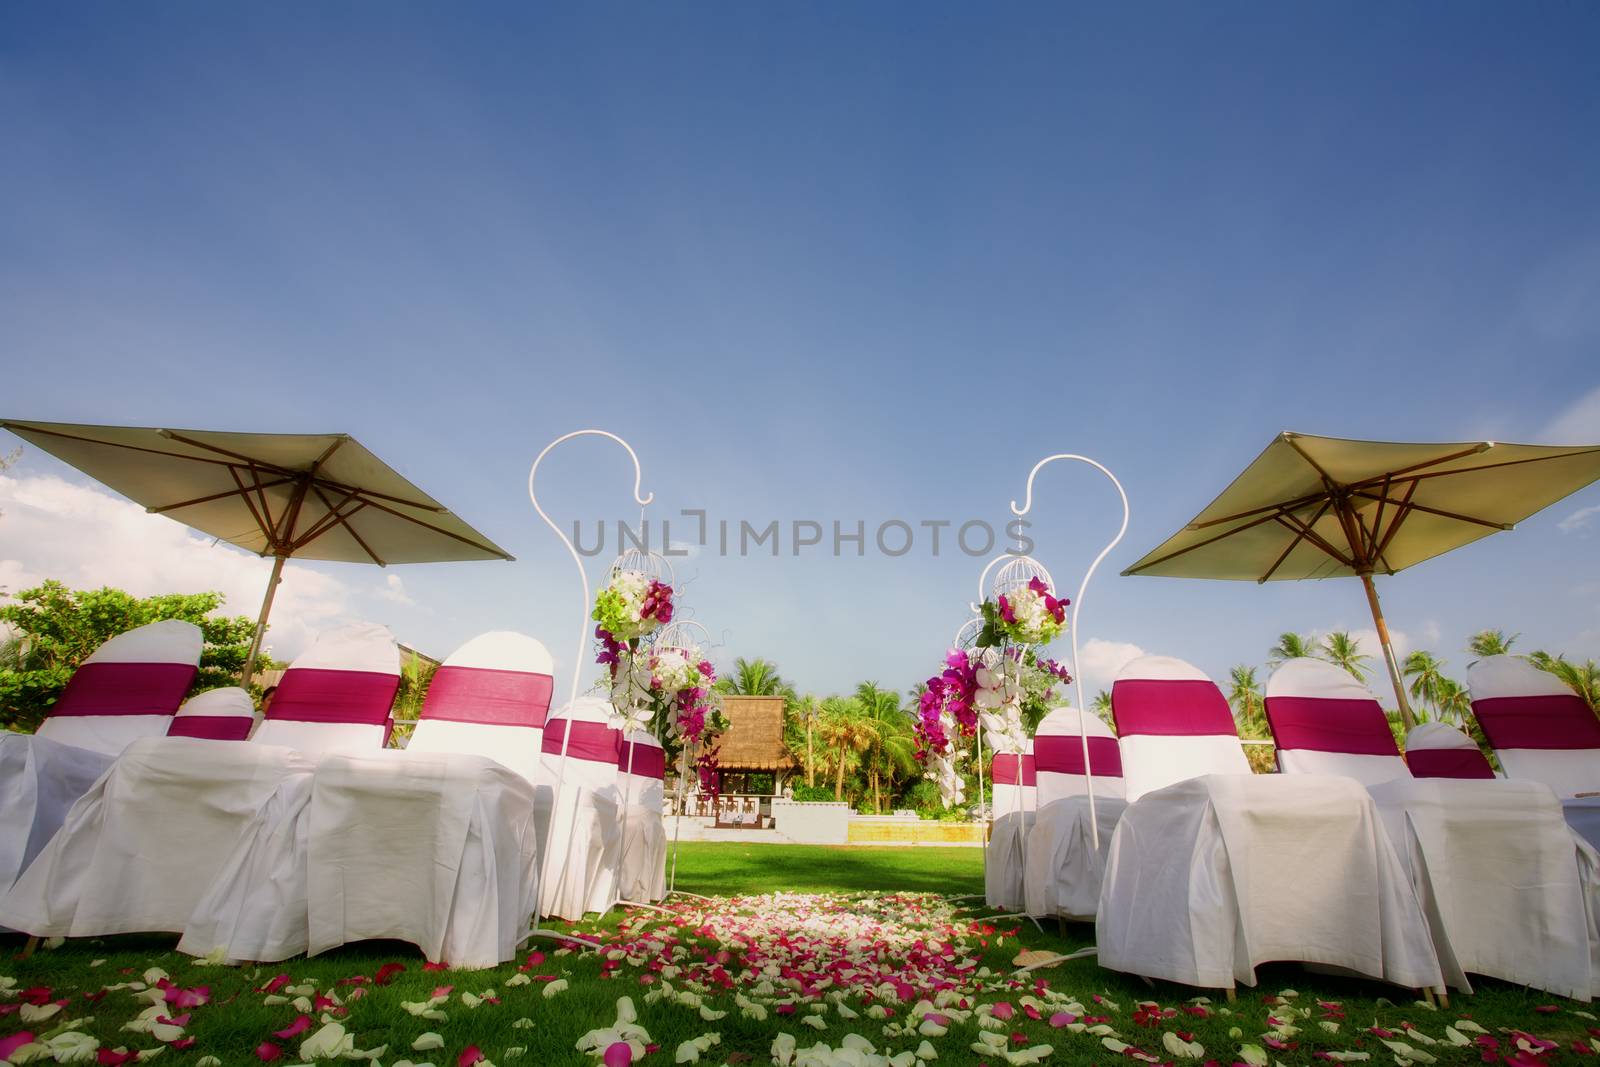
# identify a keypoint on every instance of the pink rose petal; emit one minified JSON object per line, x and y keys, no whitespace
{"x":617,"y":1054}
{"x":266,"y":1052}
{"x":294,"y":1029}
{"x":8,"y":1045}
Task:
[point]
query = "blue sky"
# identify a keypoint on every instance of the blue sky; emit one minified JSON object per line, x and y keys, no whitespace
{"x":818,"y":261}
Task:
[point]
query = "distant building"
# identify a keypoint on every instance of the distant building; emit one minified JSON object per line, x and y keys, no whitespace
{"x":752,"y":757}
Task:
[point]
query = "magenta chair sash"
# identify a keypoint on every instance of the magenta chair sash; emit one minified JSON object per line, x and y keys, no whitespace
{"x":484,"y":695}
{"x":1548,"y":722}
{"x":1448,"y":763}
{"x":212,"y":727}
{"x":313,"y":694}
{"x":1326,"y":724}
{"x":1011,"y":769}
{"x":649,"y":761}
{"x":125,"y":689}
{"x":1063,"y":754}
{"x":1188,"y":707}
{"x":593,"y":741}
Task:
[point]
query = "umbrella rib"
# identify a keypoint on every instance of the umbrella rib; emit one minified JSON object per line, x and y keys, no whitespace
{"x":1320,"y":541}
{"x":162,"y":509}
{"x":1201,"y":544}
{"x":122,"y":445}
{"x":1442,"y":513}
{"x":1400,"y":517}
{"x":1503,"y":463}
{"x":238,"y":456}
{"x":342,"y":520}
{"x":328,"y":520}
{"x":1402,"y":472}
{"x":1299,"y":536}
{"x":244,"y":494}
{"x":1286,"y":505}
{"x":437,"y":530}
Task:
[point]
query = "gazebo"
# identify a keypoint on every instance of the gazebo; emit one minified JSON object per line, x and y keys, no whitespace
{"x":752,"y":760}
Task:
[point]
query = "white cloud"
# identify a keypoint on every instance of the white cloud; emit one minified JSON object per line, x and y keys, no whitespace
{"x":88,"y":537}
{"x":1578,"y":423}
{"x":1578,"y":519}
{"x":1100,"y":660}
{"x":394,"y":591}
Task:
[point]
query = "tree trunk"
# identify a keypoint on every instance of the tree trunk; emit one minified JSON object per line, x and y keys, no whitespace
{"x":811,"y":759}
{"x":877,"y":802}
{"x":838,"y":781}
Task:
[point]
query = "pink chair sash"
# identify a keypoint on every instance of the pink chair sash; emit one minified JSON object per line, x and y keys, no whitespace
{"x":125,"y":689}
{"x":212,"y":727}
{"x":649,"y":761}
{"x":314,"y":694}
{"x":1448,"y":763}
{"x":593,"y":741}
{"x":485,"y":695}
{"x":1188,"y":707}
{"x":1011,"y":769}
{"x":1549,"y":722}
{"x":1326,"y":724}
{"x":1063,"y":754}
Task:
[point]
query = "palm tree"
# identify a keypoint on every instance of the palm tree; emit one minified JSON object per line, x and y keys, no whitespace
{"x":1426,"y":672}
{"x":754,"y":678}
{"x":1342,"y":651}
{"x":1581,"y":678}
{"x":1453,"y":701}
{"x":886,"y":731}
{"x":1290,"y":646}
{"x":1245,"y":696}
{"x":1102,"y":708}
{"x":843,"y":730}
{"x":1490,"y":643}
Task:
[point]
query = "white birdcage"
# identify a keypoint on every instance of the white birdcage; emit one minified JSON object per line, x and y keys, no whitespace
{"x":685,"y":634}
{"x":650,"y":564}
{"x":967,"y":636}
{"x":1016,"y":574}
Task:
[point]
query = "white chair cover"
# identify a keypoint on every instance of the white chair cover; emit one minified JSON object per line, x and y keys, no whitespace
{"x":224,"y":714}
{"x":641,"y":770}
{"x":1492,"y":861}
{"x":1540,"y":730}
{"x":1439,"y":750}
{"x":335,"y":697}
{"x":138,"y":850}
{"x":128,"y":688}
{"x":489,"y":698}
{"x":1063,"y":868}
{"x":1012,"y":804}
{"x":1214,"y":870}
{"x":40,"y":779}
{"x":322,"y":875}
{"x":580,"y":833}
{"x":438,"y":849}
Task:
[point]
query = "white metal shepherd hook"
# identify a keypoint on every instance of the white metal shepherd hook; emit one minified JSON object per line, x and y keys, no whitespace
{"x":583,"y":642}
{"x":1077,"y":605}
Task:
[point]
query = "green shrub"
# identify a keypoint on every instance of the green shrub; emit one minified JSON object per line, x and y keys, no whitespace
{"x":812,"y":792}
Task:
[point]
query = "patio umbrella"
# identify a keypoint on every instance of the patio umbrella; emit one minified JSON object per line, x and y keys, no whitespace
{"x":306,"y":496}
{"x":1326,"y":507}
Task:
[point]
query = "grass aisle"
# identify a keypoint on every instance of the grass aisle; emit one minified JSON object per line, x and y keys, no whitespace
{"x":749,"y":968}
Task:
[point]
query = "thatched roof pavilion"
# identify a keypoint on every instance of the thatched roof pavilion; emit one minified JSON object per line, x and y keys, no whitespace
{"x":753,"y":741}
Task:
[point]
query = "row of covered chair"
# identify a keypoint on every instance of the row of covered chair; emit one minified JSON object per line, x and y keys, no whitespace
{"x":1417,"y":874}
{"x":311,"y":834}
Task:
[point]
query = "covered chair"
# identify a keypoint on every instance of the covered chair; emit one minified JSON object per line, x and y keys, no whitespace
{"x":489,"y":698}
{"x":1012,"y":804}
{"x":139,"y":849}
{"x":224,"y":714}
{"x":1214,"y":870}
{"x":450,"y":818}
{"x":580,"y":829}
{"x":1439,"y":750}
{"x":641,"y":775}
{"x":128,"y":688}
{"x":1501,"y":879}
{"x":1063,"y":868}
{"x":336,"y":695}
{"x":1541,"y":731}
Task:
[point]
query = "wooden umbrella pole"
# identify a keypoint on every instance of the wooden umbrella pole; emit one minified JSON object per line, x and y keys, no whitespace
{"x":1388,"y":650}
{"x":261,"y":622}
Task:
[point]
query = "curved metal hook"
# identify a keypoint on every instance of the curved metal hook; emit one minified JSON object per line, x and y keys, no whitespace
{"x":1077,"y":605}
{"x":583,"y":575}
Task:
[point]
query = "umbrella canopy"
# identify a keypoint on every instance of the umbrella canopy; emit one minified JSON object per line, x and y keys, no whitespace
{"x":1327,"y":507}
{"x":304,"y":496}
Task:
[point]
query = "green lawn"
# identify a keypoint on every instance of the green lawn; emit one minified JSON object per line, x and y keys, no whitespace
{"x":238,"y":1018}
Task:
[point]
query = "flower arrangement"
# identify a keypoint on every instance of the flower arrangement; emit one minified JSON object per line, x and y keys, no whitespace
{"x":667,"y":691}
{"x":1029,"y":615}
{"x":632,"y":605}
